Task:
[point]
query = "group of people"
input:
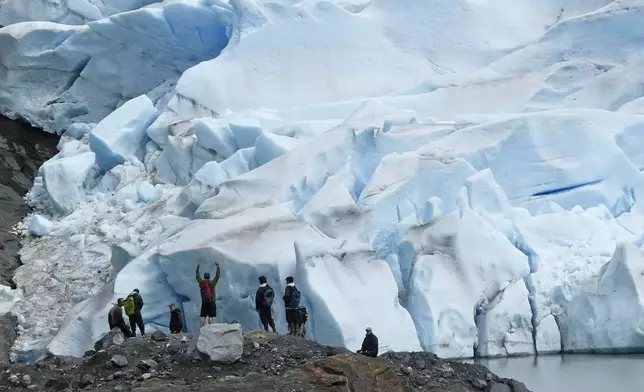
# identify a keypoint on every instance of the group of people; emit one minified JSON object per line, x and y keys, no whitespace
{"x":296,"y":315}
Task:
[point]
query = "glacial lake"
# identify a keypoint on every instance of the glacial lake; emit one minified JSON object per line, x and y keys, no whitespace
{"x":572,"y":373}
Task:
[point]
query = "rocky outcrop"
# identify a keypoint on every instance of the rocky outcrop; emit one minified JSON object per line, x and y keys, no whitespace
{"x":221,"y":343}
{"x":270,"y":363}
{"x":22,"y":150}
{"x":7,"y":337}
{"x":112,"y":338}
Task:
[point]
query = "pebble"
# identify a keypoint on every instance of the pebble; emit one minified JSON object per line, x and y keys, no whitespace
{"x":13,"y":378}
{"x":420,"y":364}
{"x":146,"y":376}
{"x":26,"y":380}
{"x":406,"y":369}
{"x":148,"y":364}
{"x":256,"y":345}
{"x":32,"y":387}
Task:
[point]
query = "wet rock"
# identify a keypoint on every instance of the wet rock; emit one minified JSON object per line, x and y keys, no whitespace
{"x":420,"y":364}
{"x":7,"y":337}
{"x":479,"y":384}
{"x":498,"y":387}
{"x":26,"y":380}
{"x":119,"y":361}
{"x":518,"y":386}
{"x":13,"y":379}
{"x":89,"y":353}
{"x":146,"y":376}
{"x":32,"y":387}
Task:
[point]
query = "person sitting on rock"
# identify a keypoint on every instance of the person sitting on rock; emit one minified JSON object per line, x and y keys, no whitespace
{"x":133,"y":304}
{"x":291,"y":302}
{"x":115,"y":319}
{"x":369,"y":344}
{"x":264,"y":302}
{"x":208,"y":296}
{"x":176,"y":324}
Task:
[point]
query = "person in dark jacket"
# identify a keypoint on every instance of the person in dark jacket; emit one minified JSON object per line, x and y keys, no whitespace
{"x":291,"y":302}
{"x":176,"y":323}
{"x":115,"y":319}
{"x":136,"y":319}
{"x":369,"y":344}
{"x":208,"y":295}
{"x":264,"y":302}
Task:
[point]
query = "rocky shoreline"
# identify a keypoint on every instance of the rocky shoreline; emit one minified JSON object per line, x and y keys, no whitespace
{"x":22,"y":150}
{"x":266,"y":361}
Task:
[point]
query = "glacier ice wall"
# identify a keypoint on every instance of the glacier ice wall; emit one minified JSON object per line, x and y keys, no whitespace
{"x":463,"y":178}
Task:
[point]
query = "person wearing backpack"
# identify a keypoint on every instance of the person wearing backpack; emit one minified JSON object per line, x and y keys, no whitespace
{"x":291,"y":302}
{"x":264,"y":302}
{"x":208,"y":295}
{"x":133,"y":304}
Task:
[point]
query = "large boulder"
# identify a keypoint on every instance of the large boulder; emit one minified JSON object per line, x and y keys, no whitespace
{"x":112,"y":338}
{"x":221,"y":343}
{"x":353,"y":372}
{"x":7,"y":337}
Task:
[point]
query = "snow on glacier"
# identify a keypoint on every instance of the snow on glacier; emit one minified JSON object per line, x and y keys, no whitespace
{"x":485,"y":153}
{"x":56,"y":74}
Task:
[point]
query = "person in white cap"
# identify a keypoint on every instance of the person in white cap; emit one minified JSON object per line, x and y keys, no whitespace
{"x":369,"y":344}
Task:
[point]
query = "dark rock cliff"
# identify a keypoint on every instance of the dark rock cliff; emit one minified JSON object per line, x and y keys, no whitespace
{"x":22,"y":150}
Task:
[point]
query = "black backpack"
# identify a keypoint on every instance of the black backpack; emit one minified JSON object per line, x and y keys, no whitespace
{"x":295,"y":298}
{"x":304,"y":315}
{"x":269,"y":296}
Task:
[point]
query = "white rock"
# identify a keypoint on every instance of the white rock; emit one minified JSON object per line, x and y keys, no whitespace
{"x":221,"y":343}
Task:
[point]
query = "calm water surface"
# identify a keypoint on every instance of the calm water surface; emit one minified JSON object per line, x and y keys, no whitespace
{"x":573,"y":373}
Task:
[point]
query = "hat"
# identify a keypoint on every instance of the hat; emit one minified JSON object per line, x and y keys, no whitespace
{"x":136,"y":290}
{"x":368,"y":329}
{"x":262,"y":279}
{"x":289,"y":279}
{"x":171,"y":305}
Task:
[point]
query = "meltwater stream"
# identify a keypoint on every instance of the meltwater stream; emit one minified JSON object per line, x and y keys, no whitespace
{"x":573,"y":373}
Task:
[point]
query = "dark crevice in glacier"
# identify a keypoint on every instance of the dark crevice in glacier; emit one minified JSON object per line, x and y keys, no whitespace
{"x":78,"y":70}
{"x":533,"y":309}
{"x":567,"y":189}
{"x":520,"y":244}
{"x":561,"y":343}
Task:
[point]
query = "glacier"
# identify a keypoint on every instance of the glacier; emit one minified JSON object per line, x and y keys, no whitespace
{"x":463,"y":177}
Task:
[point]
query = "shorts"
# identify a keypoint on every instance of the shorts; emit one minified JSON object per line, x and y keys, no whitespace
{"x":208,"y":309}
